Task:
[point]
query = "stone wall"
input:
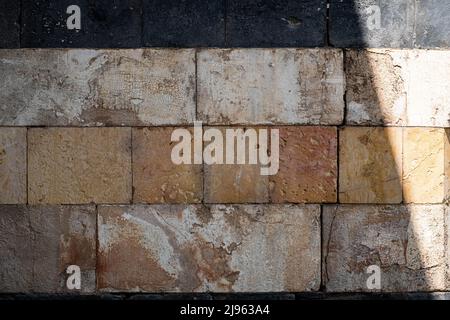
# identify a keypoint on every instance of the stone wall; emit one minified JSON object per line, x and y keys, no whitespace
{"x":87,"y":179}
{"x":226,"y":23}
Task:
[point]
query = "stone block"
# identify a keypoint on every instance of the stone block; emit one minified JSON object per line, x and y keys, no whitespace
{"x":9,"y":24}
{"x":13,"y":165}
{"x":175,"y":23}
{"x":38,"y":243}
{"x":97,"y":87}
{"x":372,"y":23}
{"x":377,"y":84}
{"x":156,"y":179}
{"x":79,"y":165}
{"x":270,"y":86}
{"x":370,"y":165}
{"x":271,"y":23}
{"x":181,"y":248}
{"x":103,"y":24}
{"x":308,"y":166}
{"x":425,"y":165}
{"x":432,"y":24}
{"x":407,"y":243}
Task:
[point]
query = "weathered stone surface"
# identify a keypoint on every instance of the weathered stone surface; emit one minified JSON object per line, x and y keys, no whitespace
{"x":174,"y":23}
{"x":432,"y":23}
{"x":156,"y":179}
{"x":97,"y":87}
{"x":104,"y":24}
{"x":372,"y":23}
{"x":276,"y":23}
{"x":173,"y":248}
{"x":38,"y":243}
{"x":235,"y":183}
{"x":395,"y":87}
{"x":406,"y":242}
{"x":425,"y":165}
{"x":13,"y":165}
{"x":376,"y":86}
{"x":279,"y":86}
{"x":308,"y":166}
{"x":429,"y":87}
{"x":9,"y":24}
{"x":79,"y":165}
{"x":370,"y":165}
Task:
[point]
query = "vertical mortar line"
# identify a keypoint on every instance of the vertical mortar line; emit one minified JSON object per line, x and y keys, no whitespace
{"x":132,"y":165}
{"x":402,"y":165}
{"x":414,"y":23}
{"x":142,"y":22}
{"x":225,"y":22}
{"x":269,"y":146}
{"x":196,"y":82}
{"x":322,"y":285}
{"x":196,"y":118}
{"x":96,"y":248}
{"x":344,"y":67}
{"x":20,"y":23}
{"x":203,"y":177}
{"x":338,"y":128}
{"x":26,"y":164}
{"x":327,"y":24}
{"x":337,"y":163}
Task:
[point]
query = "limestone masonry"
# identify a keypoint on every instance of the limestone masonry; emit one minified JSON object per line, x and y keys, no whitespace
{"x":86,"y":176}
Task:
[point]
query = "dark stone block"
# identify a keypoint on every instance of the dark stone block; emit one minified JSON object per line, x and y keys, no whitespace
{"x":184,"y":23}
{"x":9,"y":24}
{"x":433,"y":24}
{"x":104,"y":23}
{"x":276,"y":23}
{"x":353,"y":23}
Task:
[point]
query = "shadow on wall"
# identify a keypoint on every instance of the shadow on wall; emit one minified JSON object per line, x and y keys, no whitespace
{"x":389,"y":216}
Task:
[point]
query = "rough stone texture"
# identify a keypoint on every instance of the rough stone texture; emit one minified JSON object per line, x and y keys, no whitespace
{"x":38,"y":243}
{"x":13,"y":165}
{"x":398,"y":87}
{"x":235,"y":183}
{"x":308,"y":166}
{"x":79,"y":165}
{"x":276,"y":23}
{"x":432,"y":23}
{"x":222,"y":249}
{"x":9,"y":24}
{"x":279,"y":86}
{"x":429,"y":87}
{"x":156,"y":179}
{"x":376,"y":86}
{"x":184,"y":23}
{"x":406,"y":242}
{"x":424,"y":165}
{"x":97,"y":87}
{"x":104,"y":24}
{"x":352,"y":23}
{"x":370,"y":165}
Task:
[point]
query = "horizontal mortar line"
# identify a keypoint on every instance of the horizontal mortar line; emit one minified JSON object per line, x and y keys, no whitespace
{"x":220,"y":125}
{"x":207,"y":204}
{"x":420,"y":48}
{"x":389,"y":204}
{"x":162,"y":204}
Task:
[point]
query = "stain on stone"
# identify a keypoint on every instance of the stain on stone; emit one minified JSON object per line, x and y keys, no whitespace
{"x":293,"y":22}
{"x":179,"y":249}
{"x":98,"y":87}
